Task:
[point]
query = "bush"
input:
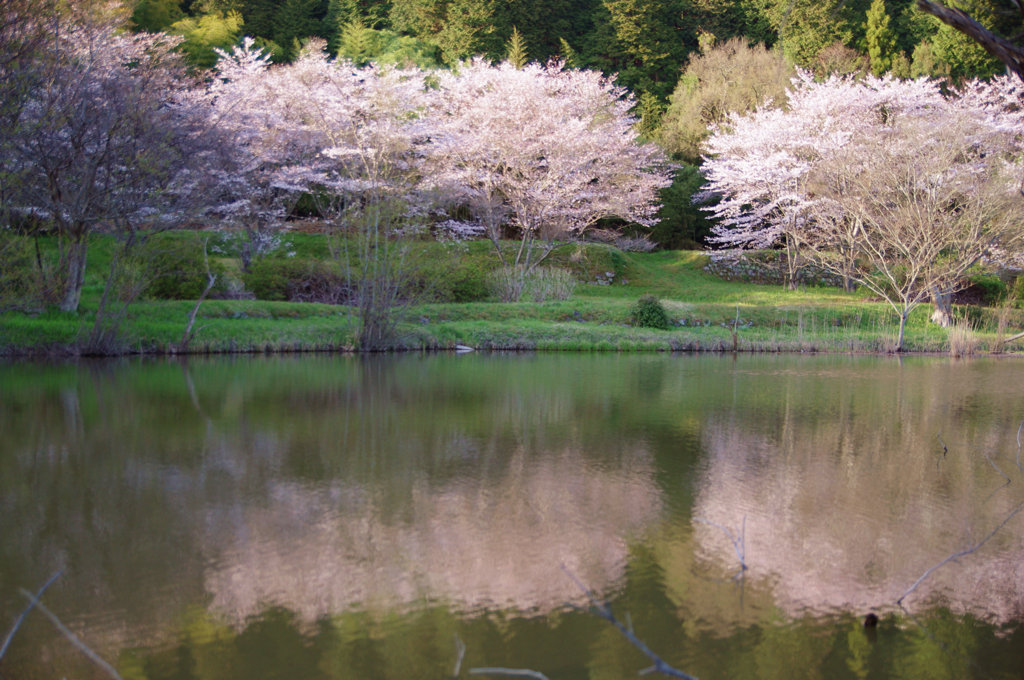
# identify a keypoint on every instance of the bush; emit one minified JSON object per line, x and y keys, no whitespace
{"x":549,"y":283}
{"x":20,"y":285}
{"x":451,"y":278}
{"x":988,"y":288}
{"x":297,"y":280}
{"x":648,"y":312}
{"x":175,"y":268}
{"x":512,"y":284}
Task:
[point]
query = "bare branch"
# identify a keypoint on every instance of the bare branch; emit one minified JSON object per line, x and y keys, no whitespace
{"x":211,"y":279}
{"x":605,"y":612}
{"x":18,"y":621}
{"x":72,"y":638}
{"x":1018,"y":443}
{"x":962,"y":553}
{"x":997,"y":469}
{"x":460,"y":653}
{"x":739,"y":543}
{"x":1002,"y":49}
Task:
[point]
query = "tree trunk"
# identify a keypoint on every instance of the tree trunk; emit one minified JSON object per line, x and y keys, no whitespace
{"x":943,"y":312}
{"x":76,"y":257}
{"x":903,"y":326}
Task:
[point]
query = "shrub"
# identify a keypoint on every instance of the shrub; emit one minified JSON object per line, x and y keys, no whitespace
{"x":20,"y":285}
{"x":451,"y":278}
{"x":549,"y":283}
{"x":988,"y":288}
{"x":963,"y":341}
{"x":648,"y":312}
{"x":297,"y":280}
{"x":176,"y":268}
{"x":512,"y":284}
{"x":506,"y":283}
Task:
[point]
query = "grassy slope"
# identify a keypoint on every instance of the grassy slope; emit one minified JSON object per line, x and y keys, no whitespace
{"x":594,"y":318}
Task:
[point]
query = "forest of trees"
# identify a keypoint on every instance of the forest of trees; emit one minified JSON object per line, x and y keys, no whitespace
{"x":646,"y":42}
{"x":528,"y":120}
{"x":688,"y":63}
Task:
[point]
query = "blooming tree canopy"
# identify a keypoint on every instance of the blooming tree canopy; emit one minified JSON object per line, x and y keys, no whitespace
{"x":317,"y":126}
{"x":106,"y":134}
{"x":889,"y":182}
{"x":544,"y":151}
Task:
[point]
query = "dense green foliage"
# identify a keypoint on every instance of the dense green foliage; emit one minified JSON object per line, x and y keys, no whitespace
{"x":649,"y":313}
{"x":646,"y":42}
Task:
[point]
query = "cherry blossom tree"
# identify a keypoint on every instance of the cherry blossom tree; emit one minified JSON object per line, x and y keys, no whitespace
{"x":107,"y":137}
{"x":351,"y":138}
{"x":541,"y":152}
{"x":888,"y":182}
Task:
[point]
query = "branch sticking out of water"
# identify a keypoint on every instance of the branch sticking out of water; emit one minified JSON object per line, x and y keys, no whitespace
{"x":21,"y":617}
{"x":997,"y":469}
{"x":739,"y":543}
{"x":72,"y":638}
{"x":515,"y":672}
{"x":962,"y":553}
{"x":460,"y":653}
{"x":605,"y":612}
{"x":1018,"y":445}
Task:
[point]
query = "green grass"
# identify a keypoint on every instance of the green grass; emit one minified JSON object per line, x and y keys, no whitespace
{"x":703,"y":308}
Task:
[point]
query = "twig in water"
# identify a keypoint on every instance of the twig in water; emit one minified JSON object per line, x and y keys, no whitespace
{"x":962,"y":553}
{"x":605,"y":612}
{"x":517,"y":672}
{"x":460,"y":652}
{"x":993,"y":464}
{"x":739,"y":543}
{"x":93,"y":656}
{"x":18,"y":621}
{"x":945,"y":449}
{"x":1018,"y":443}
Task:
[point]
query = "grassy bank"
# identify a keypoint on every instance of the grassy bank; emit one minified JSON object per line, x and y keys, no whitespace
{"x":706,"y":312}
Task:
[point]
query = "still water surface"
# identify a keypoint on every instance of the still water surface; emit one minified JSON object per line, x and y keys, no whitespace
{"x":344,"y":517}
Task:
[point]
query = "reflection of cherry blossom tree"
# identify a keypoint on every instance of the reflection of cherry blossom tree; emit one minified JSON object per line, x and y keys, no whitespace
{"x":889,"y":183}
{"x":543,"y":151}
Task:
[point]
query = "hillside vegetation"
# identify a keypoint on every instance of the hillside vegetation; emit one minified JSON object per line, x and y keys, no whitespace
{"x":449,"y":301}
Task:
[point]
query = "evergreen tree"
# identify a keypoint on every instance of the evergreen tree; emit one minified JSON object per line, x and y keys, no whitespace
{"x":297,"y":20}
{"x":516,"y":52}
{"x":156,"y":15}
{"x":258,"y":16}
{"x":568,"y":55}
{"x":205,"y":33}
{"x":357,"y":42}
{"x":881,"y":38}
{"x":640,"y":40}
{"x":468,"y":29}
{"x":650,"y":110}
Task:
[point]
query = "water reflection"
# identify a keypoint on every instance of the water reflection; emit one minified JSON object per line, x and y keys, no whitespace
{"x":363,"y":509}
{"x":472,"y":543}
{"x":849,"y":499}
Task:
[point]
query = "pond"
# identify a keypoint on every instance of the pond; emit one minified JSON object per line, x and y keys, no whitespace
{"x":329,"y":517}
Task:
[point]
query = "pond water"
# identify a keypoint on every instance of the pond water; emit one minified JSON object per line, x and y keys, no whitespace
{"x":329,"y":517}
